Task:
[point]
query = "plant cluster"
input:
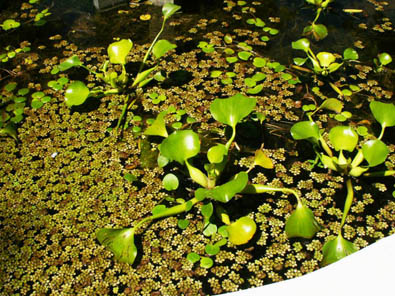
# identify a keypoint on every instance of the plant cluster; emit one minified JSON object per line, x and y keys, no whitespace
{"x":183,"y":145}
{"x":345,"y":140}
{"x":114,"y":82}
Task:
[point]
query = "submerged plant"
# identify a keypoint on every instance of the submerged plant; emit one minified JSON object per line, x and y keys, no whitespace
{"x":182,"y":146}
{"x":345,"y":140}
{"x":118,"y":83}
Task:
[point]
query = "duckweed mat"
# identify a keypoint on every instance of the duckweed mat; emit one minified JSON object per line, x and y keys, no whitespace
{"x":64,"y":176}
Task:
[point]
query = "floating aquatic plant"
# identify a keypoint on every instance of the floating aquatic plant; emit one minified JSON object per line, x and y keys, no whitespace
{"x":77,"y":92}
{"x":344,"y":139}
{"x":182,"y":146}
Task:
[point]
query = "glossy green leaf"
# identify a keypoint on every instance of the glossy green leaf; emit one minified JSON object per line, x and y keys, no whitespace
{"x":118,"y":51}
{"x":216,"y":153}
{"x":259,"y":23}
{"x":206,"y":262}
{"x":141,"y":77}
{"x":73,"y":61}
{"x":215,"y":74}
{"x":169,"y":9}
{"x":244,"y":55}
{"x":170,"y":182}
{"x":36,"y":103}
{"x":232,"y":110}
{"x":384,"y":58}
{"x":249,"y":82}
{"x":333,"y":105}
{"x":241,"y":231}
{"x":10,"y":24}
{"x":232,"y":60}
{"x":182,"y":223}
{"x":301,"y":44}
{"x":301,"y":223}
{"x":325,"y":58}
{"x":225,"y":192}
{"x":76,"y":94}
{"x":158,"y":127}
{"x":350,"y":54}
{"x":120,"y":242}
{"x":343,"y":138}
{"x":210,"y":229}
{"x":334,"y":66}
{"x":375,"y":152}
{"x":263,"y":160}
{"x":306,"y":130}
{"x":212,"y":249}
{"x":259,"y":76}
{"x":228,"y":39}
{"x":255,"y":90}
{"x":162,"y":47}
{"x":207,"y":210}
{"x":162,"y":161}
{"x":319,"y":31}
{"x":337,"y":249}
{"x":193,"y":257}
{"x":180,"y":146}
{"x":300,"y":61}
{"x":383,"y":112}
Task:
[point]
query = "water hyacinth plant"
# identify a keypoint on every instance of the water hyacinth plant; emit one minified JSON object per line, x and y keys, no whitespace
{"x":182,"y":146}
{"x":118,"y":83}
{"x":345,"y":141}
{"x":323,"y":62}
{"x":318,"y":31}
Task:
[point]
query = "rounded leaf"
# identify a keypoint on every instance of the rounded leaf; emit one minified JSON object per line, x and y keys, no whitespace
{"x":180,"y":146}
{"x":241,"y":231}
{"x":206,"y":262}
{"x":212,"y":249}
{"x":337,"y":249}
{"x":385,"y":58}
{"x":232,"y":110}
{"x":350,"y":54}
{"x":375,"y":152}
{"x":319,"y":31}
{"x":193,"y":257}
{"x":10,"y":24}
{"x":170,"y":182}
{"x":169,"y":9}
{"x":301,"y":44}
{"x":120,"y":242}
{"x":118,"y":51}
{"x":305,"y":130}
{"x":73,"y":61}
{"x":301,"y":223}
{"x":76,"y":94}
{"x":383,"y":112}
{"x":162,"y":47}
{"x":216,"y":153}
{"x":325,"y":58}
{"x":343,"y":138}
{"x":333,"y":105}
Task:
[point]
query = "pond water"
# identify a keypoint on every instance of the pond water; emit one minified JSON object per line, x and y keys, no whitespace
{"x":64,"y":174}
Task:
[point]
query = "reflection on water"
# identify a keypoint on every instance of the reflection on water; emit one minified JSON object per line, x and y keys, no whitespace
{"x":79,"y":22}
